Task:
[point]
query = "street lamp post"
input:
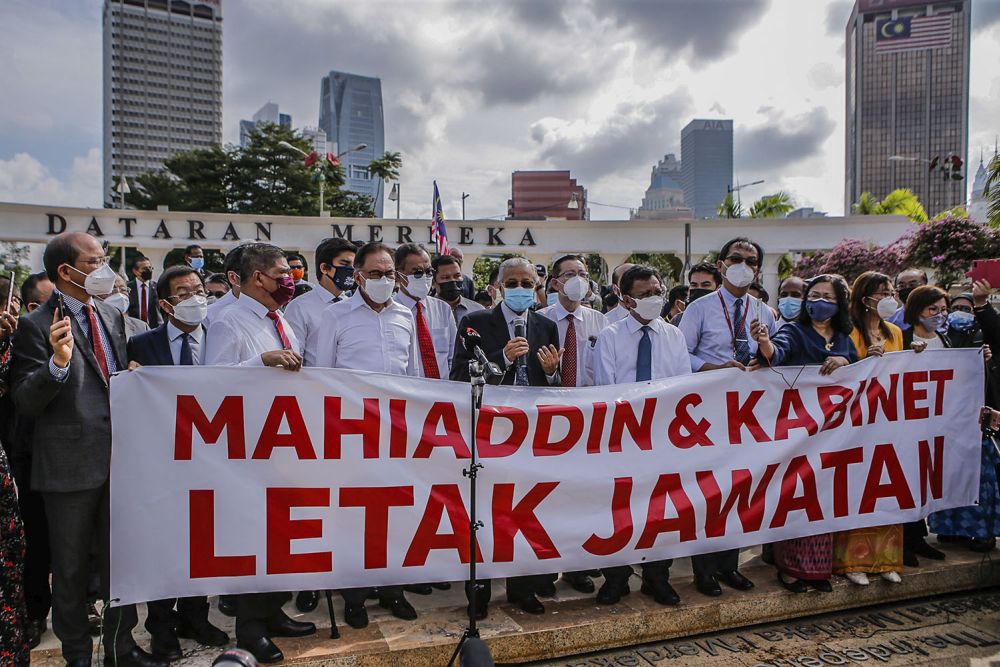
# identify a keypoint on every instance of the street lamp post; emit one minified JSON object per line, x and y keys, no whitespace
{"x":394,"y":196}
{"x":739,"y":199}
{"x":318,"y":168}
{"x":465,"y":196}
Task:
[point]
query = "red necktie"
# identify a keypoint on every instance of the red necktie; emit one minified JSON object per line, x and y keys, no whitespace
{"x":95,"y":342}
{"x":426,"y":345}
{"x":274,"y":317}
{"x":569,"y":354}
{"x":143,"y":304}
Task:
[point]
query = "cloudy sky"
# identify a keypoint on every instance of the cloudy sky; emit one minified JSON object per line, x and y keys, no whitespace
{"x":474,"y":89}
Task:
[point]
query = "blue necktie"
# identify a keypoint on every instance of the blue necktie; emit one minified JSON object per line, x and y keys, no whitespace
{"x":187,"y":359}
{"x":741,"y":348}
{"x":521,"y":376}
{"x":644,"y":360}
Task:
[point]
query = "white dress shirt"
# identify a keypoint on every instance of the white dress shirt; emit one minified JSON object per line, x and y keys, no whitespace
{"x":352,"y":335}
{"x":617,"y":351}
{"x":588,"y":324}
{"x":442,"y":326}
{"x":709,"y":334}
{"x":304,"y":314}
{"x":243,"y":333}
{"x":176,"y":338}
{"x":619,"y":312}
{"x":510,"y":316}
{"x":216,"y":309}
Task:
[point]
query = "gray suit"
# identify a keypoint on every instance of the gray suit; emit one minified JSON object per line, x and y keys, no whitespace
{"x":71,"y":466}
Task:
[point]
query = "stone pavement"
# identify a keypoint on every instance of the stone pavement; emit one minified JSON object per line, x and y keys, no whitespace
{"x":574,"y":625}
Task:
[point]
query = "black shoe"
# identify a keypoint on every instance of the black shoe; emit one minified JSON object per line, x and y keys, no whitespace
{"x":982,"y":546}
{"x":263,"y":649}
{"x":93,"y":620}
{"x":925,"y":550}
{"x":306,"y":601}
{"x":821,"y":585}
{"x":35,"y":631}
{"x":579,"y":581}
{"x":909,"y":559}
{"x":442,"y":586}
{"x":483,"y":595}
{"x":227,"y":605}
{"x":400,"y":608}
{"x":202,"y":632}
{"x":134,"y":658}
{"x":707,"y":585}
{"x":419,"y":589}
{"x":734,"y":579}
{"x":528,"y":603}
{"x":78,"y":662}
{"x":952,"y":539}
{"x":546,"y":588}
{"x":282,"y":626}
{"x":356,"y":617}
{"x":797,"y":586}
{"x":164,"y":645}
{"x":612,"y":592}
{"x":661,"y":591}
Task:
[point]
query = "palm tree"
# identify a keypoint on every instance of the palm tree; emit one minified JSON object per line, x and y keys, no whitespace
{"x":866,"y":205}
{"x":385,"y":169}
{"x":897,"y":202}
{"x":772,"y":206}
{"x":729,"y":208}
{"x":992,"y":192}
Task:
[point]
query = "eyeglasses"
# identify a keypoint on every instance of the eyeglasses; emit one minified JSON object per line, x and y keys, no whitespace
{"x":527,"y":283}
{"x":420,"y":273}
{"x":378,"y":275}
{"x":740,"y":259}
{"x":121,"y":290}
{"x":566,"y":275}
{"x":964,"y":309}
{"x":219,"y":294}
{"x":183,"y":296}
{"x":95,"y":262}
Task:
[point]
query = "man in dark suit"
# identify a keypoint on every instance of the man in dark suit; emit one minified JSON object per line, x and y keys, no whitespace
{"x":142,"y":298}
{"x":62,"y":366}
{"x":177,"y":342}
{"x":528,"y":360}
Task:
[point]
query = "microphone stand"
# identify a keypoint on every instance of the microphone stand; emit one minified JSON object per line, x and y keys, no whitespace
{"x":473,"y":650}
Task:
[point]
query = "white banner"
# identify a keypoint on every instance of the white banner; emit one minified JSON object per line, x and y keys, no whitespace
{"x":229,"y":480}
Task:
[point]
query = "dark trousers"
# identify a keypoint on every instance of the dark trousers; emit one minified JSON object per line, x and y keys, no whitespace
{"x":517,"y":587}
{"x":74,"y":519}
{"x":37,"y":594}
{"x":254,"y":610}
{"x":161,"y":619}
{"x":914,"y":533}
{"x":720,"y":561}
{"x":357,"y":596}
{"x":618,"y":576}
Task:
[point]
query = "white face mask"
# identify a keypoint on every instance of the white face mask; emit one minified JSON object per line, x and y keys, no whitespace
{"x":576,"y":288}
{"x":650,"y":307}
{"x":739,"y":275}
{"x":886,"y":307}
{"x":119,"y":301}
{"x":379,"y":290}
{"x":98,"y":283}
{"x":192,"y":310}
{"x":418,"y":288}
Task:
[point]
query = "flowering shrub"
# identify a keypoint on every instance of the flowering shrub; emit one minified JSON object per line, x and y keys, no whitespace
{"x":948,"y":246}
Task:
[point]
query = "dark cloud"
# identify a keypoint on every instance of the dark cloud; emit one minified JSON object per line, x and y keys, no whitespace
{"x":510,"y":74}
{"x":782,"y":142}
{"x":985,"y":14}
{"x":545,"y":14}
{"x":710,"y":29}
{"x":837,"y":15}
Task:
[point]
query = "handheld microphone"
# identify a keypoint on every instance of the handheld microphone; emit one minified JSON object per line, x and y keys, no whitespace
{"x":520,"y":332}
{"x":473,"y":345}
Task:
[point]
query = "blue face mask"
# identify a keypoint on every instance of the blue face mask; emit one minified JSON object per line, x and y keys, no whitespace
{"x":551,"y":298}
{"x":197,"y":263}
{"x":789,"y":307}
{"x":820,"y":311}
{"x":960,"y":320}
{"x":518,"y":299}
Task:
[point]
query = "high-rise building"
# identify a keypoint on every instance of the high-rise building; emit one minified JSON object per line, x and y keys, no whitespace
{"x":664,"y":197}
{"x":316,"y":138}
{"x":162,"y":83}
{"x":350,"y":112}
{"x":536,"y":195}
{"x":977,"y":201}
{"x":269,"y":113}
{"x":706,"y":164}
{"x":907,"y":99}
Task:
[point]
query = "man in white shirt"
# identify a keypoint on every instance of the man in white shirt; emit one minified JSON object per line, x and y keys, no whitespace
{"x":335,"y":263}
{"x":231,"y":265}
{"x":253,"y":332}
{"x":619,"y":312}
{"x":370,"y":332}
{"x":717,"y":330}
{"x":436,"y":326}
{"x":448,"y":286}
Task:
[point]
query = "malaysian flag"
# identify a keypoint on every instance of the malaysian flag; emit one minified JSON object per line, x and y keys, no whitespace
{"x":913,"y":33}
{"x":439,"y":234}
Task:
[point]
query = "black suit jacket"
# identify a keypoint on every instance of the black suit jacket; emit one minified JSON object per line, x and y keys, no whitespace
{"x":71,"y":445}
{"x":153,"y":305}
{"x":151,"y":348}
{"x":492,"y":327}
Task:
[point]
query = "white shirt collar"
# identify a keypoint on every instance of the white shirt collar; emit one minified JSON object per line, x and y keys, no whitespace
{"x":254,"y":306}
{"x":633,"y":325}
{"x":510,"y":315}
{"x":406,"y":300}
{"x":561,"y":312}
{"x":173,"y":333}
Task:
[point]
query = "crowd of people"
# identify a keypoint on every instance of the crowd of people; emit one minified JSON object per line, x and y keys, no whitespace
{"x":370,"y":307}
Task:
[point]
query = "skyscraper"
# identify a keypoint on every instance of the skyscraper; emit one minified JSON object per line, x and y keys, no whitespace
{"x":269,"y":113}
{"x":350,"y":112}
{"x":907,"y":99}
{"x":536,"y":195}
{"x":706,"y":164}
{"x":162,"y":82}
{"x":664,"y":197}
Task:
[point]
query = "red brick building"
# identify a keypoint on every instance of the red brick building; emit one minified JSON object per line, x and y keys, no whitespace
{"x":536,"y":195}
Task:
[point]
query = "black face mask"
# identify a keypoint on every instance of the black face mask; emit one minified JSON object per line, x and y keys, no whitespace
{"x":450,"y":290}
{"x":343,"y":277}
{"x":146,"y":274}
{"x":696,"y":293}
{"x":904,"y":293}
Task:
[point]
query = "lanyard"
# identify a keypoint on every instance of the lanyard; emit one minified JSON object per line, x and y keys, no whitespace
{"x":742,"y":324}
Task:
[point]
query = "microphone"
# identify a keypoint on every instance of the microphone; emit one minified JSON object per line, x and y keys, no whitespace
{"x":519,"y":332}
{"x":473,"y":345}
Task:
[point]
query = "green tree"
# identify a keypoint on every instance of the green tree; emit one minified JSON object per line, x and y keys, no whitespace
{"x":866,"y":205}
{"x":196,"y":180}
{"x":270,"y":179}
{"x":897,"y":202}
{"x":385,"y":169}
{"x":729,"y":208}
{"x":992,"y":192}
{"x":777,"y":205}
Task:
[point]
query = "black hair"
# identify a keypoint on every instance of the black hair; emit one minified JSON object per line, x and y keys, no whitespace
{"x":677,"y":292}
{"x":294,"y":255}
{"x":764,"y":296}
{"x":407,"y":249}
{"x":371,"y":249}
{"x":444,"y":260}
{"x":300,"y":289}
{"x":742,"y":240}
{"x":329,"y":249}
{"x":637,"y":272}
{"x":60,"y":250}
{"x":232,"y":260}
{"x":841,"y":322}
{"x":164,"y":289}
{"x":566,"y":258}
{"x":29,"y":288}
{"x":706,"y":267}
{"x":494,"y":275}
{"x":136,"y":260}
{"x":912,"y":268}
{"x":218,"y":278}
{"x":191,"y":248}
{"x":258,"y":257}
